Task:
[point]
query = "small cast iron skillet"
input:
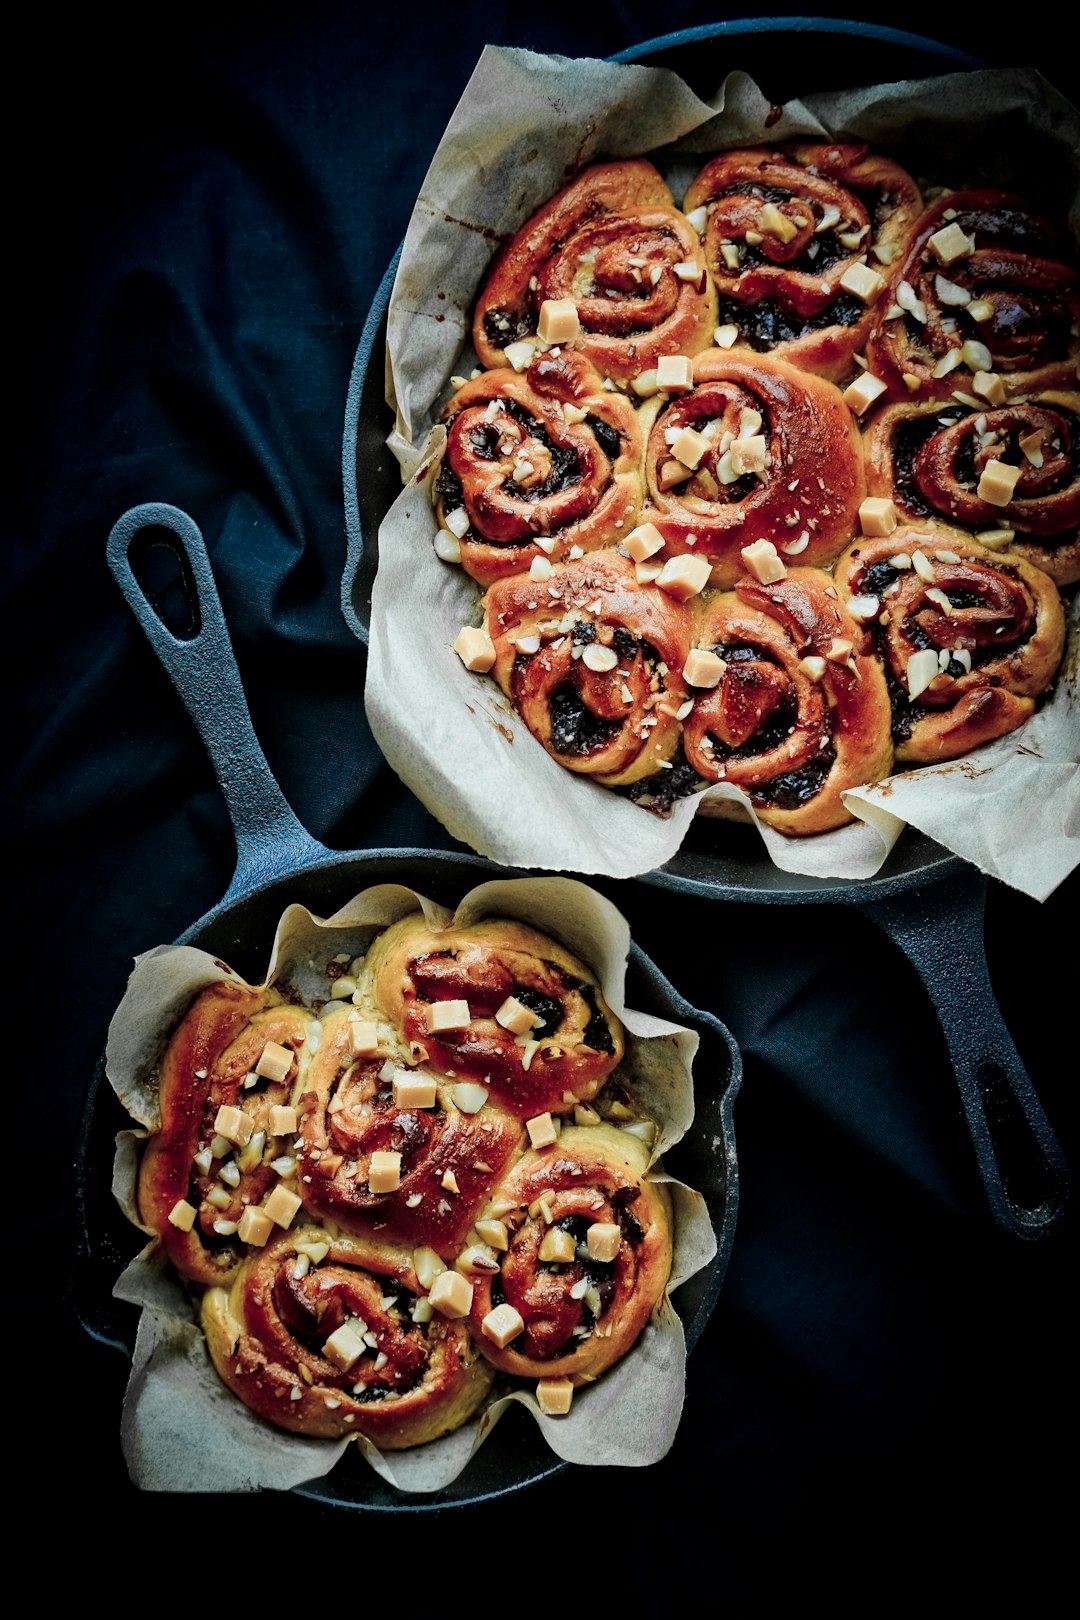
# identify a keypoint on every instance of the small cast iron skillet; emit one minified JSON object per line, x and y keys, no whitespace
{"x":929,"y":902}
{"x":278,"y":862}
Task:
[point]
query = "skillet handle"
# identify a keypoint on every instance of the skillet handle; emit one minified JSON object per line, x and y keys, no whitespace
{"x":941,"y":931}
{"x":270,"y":841}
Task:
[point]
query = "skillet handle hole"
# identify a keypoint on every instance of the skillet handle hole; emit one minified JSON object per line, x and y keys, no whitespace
{"x":163,"y":574}
{"x":1021,"y":1160}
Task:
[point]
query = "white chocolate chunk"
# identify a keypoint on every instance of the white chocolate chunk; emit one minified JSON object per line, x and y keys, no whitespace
{"x":703,"y":669}
{"x":684,"y":577}
{"x":643,"y":541}
{"x":413,"y":1090}
{"x":384,"y":1171}
{"x":457,"y":522}
{"x":275,"y":1061}
{"x":451,"y":1294}
{"x":255,"y":1226}
{"x":447,"y":1016}
{"x":281,"y":1206}
{"x":501,"y":1325}
{"x":674,"y":371}
{"x":234,"y":1125}
{"x":554,"y":1396}
{"x":865,"y":283}
{"x":877,"y":516}
{"x":363,"y":1037}
{"x":516,"y":1017}
{"x":182,"y":1215}
{"x":520,"y":354}
{"x":603,"y":1240}
{"x":541,"y":1130}
{"x":558,"y":321}
{"x":762,"y":561}
{"x":476,"y":649}
{"x":998,"y":483}
{"x":950,"y":244}
{"x":494,"y":1234}
{"x":689,"y":446}
{"x":344,"y":1346}
{"x":749,"y":455}
{"x":774,"y":223}
{"x":861,"y":394}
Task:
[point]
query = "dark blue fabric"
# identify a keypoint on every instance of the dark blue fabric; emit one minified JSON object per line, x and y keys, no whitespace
{"x":207,"y":205}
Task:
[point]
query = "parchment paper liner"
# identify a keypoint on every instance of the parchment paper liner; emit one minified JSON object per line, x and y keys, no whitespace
{"x":182,"y":1429}
{"x":524,"y":124}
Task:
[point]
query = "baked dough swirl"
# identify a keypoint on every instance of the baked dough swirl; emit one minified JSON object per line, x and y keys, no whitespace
{"x":998,"y":296}
{"x":537,"y":464}
{"x":317,"y":1335}
{"x":972,"y":637}
{"x":208,"y":1067}
{"x":805,"y":493}
{"x":592,"y":661}
{"x":930,"y":460}
{"x":613,"y":242}
{"x":571,"y":1046}
{"x":347,"y":1113}
{"x":579,"y":1314}
{"x":783,"y":227}
{"x":801,"y":711}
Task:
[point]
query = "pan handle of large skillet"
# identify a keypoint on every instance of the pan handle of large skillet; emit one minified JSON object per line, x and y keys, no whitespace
{"x":940,"y":929}
{"x":200,"y":663}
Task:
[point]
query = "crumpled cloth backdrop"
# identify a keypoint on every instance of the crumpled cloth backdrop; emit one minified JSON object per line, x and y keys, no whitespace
{"x":204,"y":203}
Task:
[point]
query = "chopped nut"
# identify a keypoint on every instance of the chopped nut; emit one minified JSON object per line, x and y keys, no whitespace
{"x":923,"y":566}
{"x":990,"y":386}
{"x":457,"y":522}
{"x":234,"y":1125}
{"x":600,"y":658}
{"x":493,"y":1233}
{"x":998,"y":483}
{"x":774,"y":223}
{"x":476,"y":649}
{"x":864,"y":607}
{"x":584,"y":1115}
{"x":520,"y":354}
{"x":839,"y":650}
{"x":812,"y":667}
{"x":501,"y":1325}
{"x":645,"y":385}
{"x":980,"y":309}
{"x":861,"y":394}
{"x":540,"y":568}
{"x":725,"y":336}
{"x":447,"y":1016}
{"x":557,"y":1247}
{"x":384,"y":1172}
{"x":541,"y":1130}
{"x":671,"y":473}
{"x":921,"y":670}
{"x":469,"y":1097}
{"x":451,"y":1294}
{"x":762,"y":561}
{"x":558,"y":321}
{"x":281,"y":1206}
{"x":877,"y":516}
{"x":182,"y":1215}
{"x":703,"y":669}
{"x":427,"y":1266}
{"x":687,"y":270}
{"x":413,"y":1090}
{"x":603,"y":1240}
{"x":683,"y":577}
{"x":449,"y":1182}
{"x":447,"y":549}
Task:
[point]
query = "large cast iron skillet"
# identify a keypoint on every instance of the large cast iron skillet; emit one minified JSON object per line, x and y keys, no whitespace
{"x":930,"y":902}
{"x":278,"y":862}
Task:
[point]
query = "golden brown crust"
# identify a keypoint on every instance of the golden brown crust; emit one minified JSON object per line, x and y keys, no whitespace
{"x":531,"y":481}
{"x":348,"y":1113}
{"x":413,"y":967}
{"x":792,"y":736}
{"x":1018,"y":269}
{"x":783,"y":289}
{"x":806,"y":501}
{"x":929,"y":458}
{"x":615,"y":725}
{"x":214,"y":1048}
{"x":267,"y":1337}
{"x":591,"y":1175}
{"x":1004,"y":619}
{"x":610,"y":240}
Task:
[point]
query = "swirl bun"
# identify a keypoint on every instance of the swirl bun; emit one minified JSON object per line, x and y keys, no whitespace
{"x":972,"y":636}
{"x":801,"y":711}
{"x":783,"y":227}
{"x":633,"y":265}
{"x":583,"y":1310}
{"x":799,"y":442}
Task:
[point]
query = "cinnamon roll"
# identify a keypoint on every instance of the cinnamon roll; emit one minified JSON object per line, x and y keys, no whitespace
{"x":613,"y":244}
{"x":984,"y":299}
{"x":331,"y":1335}
{"x":587,"y":1257}
{"x":537,"y":465}
{"x":969,"y":637}
{"x":775,"y":455}
{"x":226,"y":1078}
{"x":796,"y":238}
{"x":1013,"y":468}
{"x":354,"y":1107}
{"x":500,"y":1006}
{"x":800,"y":711}
{"x":592,"y":660}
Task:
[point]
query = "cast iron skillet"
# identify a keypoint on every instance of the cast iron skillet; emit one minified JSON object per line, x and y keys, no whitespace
{"x":927,"y":900}
{"x":278,"y":862}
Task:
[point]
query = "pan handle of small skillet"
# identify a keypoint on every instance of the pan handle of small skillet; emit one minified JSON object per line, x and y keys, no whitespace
{"x":940,"y":928}
{"x":202,"y":667}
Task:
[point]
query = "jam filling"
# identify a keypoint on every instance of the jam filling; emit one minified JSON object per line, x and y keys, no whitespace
{"x":767,"y":323}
